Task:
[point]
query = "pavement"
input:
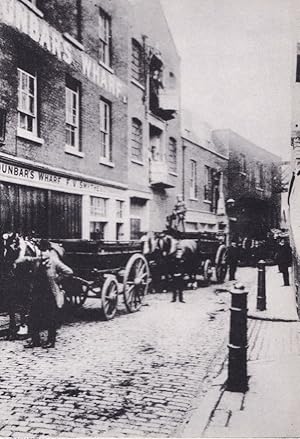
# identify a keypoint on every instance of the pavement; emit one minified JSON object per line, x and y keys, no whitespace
{"x":270,"y":407}
{"x":135,"y":375}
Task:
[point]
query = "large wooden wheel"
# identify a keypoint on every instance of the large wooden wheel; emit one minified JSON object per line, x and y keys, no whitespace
{"x":207,"y":271}
{"x":76,"y":291}
{"x":136,"y":282}
{"x":220,"y":264}
{"x":109,"y":297}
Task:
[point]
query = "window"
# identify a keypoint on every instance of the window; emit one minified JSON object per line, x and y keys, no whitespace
{"x":105,"y":130}
{"x":119,"y":209}
{"x":137,"y":62}
{"x":27,"y":102}
{"x":172,"y":158}
{"x":298,"y":69}
{"x":119,"y":231}
{"x":97,"y":230}
{"x":99,"y":206}
{"x":135,"y":228}
{"x":104,"y":37}
{"x":72,"y":115}
{"x":137,"y":139}
{"x":193,"y":187}
{"x":208,"y":183}
{"x":243,"y":163}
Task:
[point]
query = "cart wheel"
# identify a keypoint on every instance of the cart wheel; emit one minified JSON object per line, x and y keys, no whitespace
{"x":136,"y":282}
{"x":109,"y":297}
{"x":207,"y":271}
{"x":221,"y":265}
{"x":75,"y":291}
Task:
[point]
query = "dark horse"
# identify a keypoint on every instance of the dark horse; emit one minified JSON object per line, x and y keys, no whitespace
{"x":16,"y":277}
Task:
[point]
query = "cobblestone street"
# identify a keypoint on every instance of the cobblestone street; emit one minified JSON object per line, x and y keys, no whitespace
{"x":135,"y":375}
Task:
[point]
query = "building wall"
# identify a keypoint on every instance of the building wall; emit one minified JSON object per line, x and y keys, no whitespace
{"x":59,"y":41}
{"x":253,"y":175}
{"x":150,"y":29}
{"x":202,"y":208}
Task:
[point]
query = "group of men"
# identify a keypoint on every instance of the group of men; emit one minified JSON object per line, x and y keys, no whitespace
{"x":283,"y":258}
{"x":35,"y":275}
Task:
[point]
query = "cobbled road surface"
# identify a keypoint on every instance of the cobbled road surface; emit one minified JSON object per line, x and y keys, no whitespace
{"x":136,"y":375}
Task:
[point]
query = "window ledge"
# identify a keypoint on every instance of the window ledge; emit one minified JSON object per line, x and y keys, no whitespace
{"x":193,"y":199}
{"x":106,"y":67}
{"x":73,"y":41}
{"x":106,"y":162}
{"x":29,"y":136}
{"x":73,"y":151}
{"x":173,"y":173}
{"x":138,"y":162}
{"x":137,"y":84}
{"x":207,"y":201}
{"x":33,"y":8}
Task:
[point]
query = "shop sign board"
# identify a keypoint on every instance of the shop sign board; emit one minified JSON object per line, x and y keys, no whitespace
{"x":21,"y":174}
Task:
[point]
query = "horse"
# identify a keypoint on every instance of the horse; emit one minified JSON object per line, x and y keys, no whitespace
{"x":16,"y":277}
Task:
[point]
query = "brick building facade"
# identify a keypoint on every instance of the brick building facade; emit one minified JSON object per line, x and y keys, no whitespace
{"x":89,"y":121}
{"x":253,"y":176}
{"x":204,"y":182}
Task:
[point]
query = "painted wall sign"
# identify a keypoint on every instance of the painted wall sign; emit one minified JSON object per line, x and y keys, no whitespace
{"x":16,"y":14}
{"x":21,"y":174}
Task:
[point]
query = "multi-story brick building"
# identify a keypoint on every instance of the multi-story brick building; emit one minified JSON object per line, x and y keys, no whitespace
{"x":253,"y":178}
{"x":204,"y":182}
{"x":88,"y":139}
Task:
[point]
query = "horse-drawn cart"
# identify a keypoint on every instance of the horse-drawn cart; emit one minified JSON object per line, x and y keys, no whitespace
{"x":194,"y":254}
{"x":106,"y":270}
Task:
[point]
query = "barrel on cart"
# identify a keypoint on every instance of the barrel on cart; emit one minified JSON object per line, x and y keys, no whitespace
{"x":106,"y":270}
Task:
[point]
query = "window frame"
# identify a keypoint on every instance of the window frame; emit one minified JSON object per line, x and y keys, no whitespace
{"x":98,"y":211}
{"x":193,"y":180}
{"x":105,"y":37}
{"x":136,"y":141}
{"x":172,"y":155}
{"x":105,"y":132}
{"x":137,"y":72}
{"x":24,"y":111}
{"x":69,"y":123}
{"x":120,"y":211}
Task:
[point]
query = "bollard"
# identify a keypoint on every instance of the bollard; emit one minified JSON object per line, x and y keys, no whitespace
{"x":261,"y":286}
{"x":237,"y":363}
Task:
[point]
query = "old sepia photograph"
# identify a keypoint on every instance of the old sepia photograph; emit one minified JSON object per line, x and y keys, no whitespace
{"x":149,"y":218}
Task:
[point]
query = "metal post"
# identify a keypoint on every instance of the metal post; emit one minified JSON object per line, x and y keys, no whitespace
{"x":237,"y":365}
{"x":261,"y":286}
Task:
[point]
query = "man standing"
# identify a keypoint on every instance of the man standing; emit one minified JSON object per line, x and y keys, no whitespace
{"x":232,"y":259}
{"x":284,"y":260}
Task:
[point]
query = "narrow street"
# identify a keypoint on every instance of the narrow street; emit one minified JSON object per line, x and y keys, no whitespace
{"x":137,"y":374}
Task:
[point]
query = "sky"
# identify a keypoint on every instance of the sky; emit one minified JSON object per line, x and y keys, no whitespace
{"x":236,"y":62}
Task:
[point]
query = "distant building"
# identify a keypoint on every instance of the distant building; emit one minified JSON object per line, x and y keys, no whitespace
{"x":254,"y":199}
{"x":204,"y":181}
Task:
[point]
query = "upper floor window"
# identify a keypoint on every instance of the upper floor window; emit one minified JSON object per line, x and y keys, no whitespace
{"x":72,"y":114}
{"x":298,"y":69}
{"x":136,"y":139}
{"x":137,"y":62}
{"x":208,"y":172}
{"x":172,"y":155}
{"x":105,"y":130}
{"x":27,"y":101}
{"x":104,"y":37}
{"x":193,"y":180}
{"x":243,"y":163}
{"x":99,"y":206}
{"x":119,"y":209}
